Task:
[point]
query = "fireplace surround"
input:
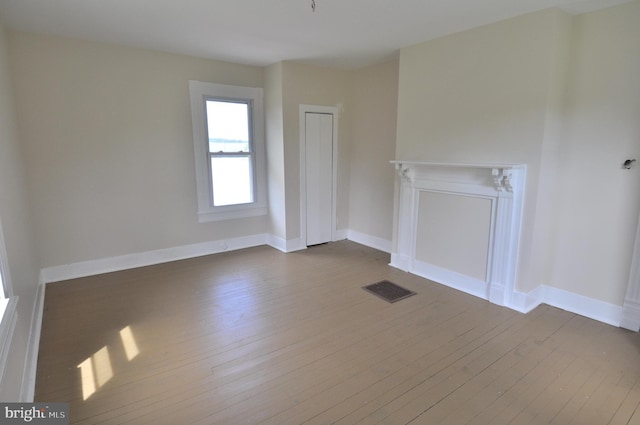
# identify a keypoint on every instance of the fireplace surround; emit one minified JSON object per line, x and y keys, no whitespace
{"x":459,"y":224}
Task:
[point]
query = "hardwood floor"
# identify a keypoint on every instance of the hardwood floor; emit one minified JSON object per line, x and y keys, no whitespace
{"x":260,"y":337}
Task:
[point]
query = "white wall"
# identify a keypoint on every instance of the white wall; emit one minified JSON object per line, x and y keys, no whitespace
{"x":108,"y":147}
{"x":599,"y":202}
{"x":373,"y":127}
{"x":15,"y":214}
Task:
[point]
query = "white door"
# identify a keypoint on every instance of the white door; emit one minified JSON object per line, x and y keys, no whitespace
{"x":319,"y":176}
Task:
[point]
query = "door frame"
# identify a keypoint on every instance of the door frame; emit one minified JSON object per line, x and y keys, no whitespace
{"x":317,"y":109}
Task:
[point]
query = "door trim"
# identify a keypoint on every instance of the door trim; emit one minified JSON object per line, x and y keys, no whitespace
{"x":303,"y":110}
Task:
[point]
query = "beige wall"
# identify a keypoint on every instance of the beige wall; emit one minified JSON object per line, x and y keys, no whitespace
{"x":274,"y":130}
{"x":375,"y":101}
{"x":560,"y":94}
{"x":109,"y":153}
{"x":14,"y":216}
{"x":599,"y":202}
{"x":546,"y":195}
{"x":483,"y":96}
{"x":108,"y":147}
{"x":479,"y":95}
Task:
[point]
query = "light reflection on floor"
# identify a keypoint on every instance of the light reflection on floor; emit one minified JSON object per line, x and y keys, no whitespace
{"x":129,"y":343}
{"x":97,"y":369}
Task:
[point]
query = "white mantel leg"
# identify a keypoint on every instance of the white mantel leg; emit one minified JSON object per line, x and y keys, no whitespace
{"x":401,"y":258}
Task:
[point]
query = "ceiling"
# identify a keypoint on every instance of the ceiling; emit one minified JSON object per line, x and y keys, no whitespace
{"x":344,"y":34}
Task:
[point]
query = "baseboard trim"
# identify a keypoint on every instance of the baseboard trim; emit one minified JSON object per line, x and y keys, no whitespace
{"x":454,"y":280}
{"x":631,"y":316}
{"x":375,"y":242}
{"x":148,"y":258}
{"x":451,"y":279}
{"x":159,"y":256}
{"x":341,"y":235}
{"x":400,"y":261}
{"x":519,"y":301}
{"x":27,"y":392}
{"x":584,"y":306}
{"x":285,"y":245}
{"x":526,"y":302}
{"x":601,"y":311}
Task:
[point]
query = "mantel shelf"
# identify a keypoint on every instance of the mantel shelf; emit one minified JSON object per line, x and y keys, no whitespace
{"x":501,"y":174}
{"x":456,"y":164}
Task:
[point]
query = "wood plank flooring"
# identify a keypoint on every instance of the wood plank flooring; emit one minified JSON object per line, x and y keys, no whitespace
{"x":260,"y":337}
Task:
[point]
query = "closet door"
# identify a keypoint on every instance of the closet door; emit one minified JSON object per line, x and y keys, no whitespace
{"x":319,"y":174}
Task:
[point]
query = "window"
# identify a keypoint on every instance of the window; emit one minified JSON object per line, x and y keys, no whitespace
{"x":229,"y":150}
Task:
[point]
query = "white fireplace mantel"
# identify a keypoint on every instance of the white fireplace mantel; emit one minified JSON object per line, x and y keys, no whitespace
{"x":498,"y":187}
{"x":501,"y":174}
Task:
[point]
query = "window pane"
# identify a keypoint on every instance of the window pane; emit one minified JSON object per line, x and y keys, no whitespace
{"x":231,"y":178}
{"x":228,"y":126}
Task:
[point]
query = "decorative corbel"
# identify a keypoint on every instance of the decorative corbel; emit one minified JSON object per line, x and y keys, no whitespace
{"x":404,"y":172}
{"x":502,"y":179}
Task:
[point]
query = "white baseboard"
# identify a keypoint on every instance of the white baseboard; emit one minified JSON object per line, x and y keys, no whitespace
{"x":148,"y":258}
{"x":141,"y":259}
{"x":526,"y":302}
{"x":400,"y":261}
{"x":575,"y":303}
{"x":451,"y":279}
{"x":341,"y":235}
{"x":27,"y":392}
{"x":584,"y":306}
{"x":631,"y":316}
{"x":285,"y":245}
{"x":519,"y":301}
{"x":375,"y":242}
{"x":276,"y":242}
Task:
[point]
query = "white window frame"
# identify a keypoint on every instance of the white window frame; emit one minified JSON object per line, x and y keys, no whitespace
{"x":199,"y":93}
{"x":6,"y":290}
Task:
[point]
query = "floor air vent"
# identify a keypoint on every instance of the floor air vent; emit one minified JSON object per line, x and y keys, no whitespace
{"x":388,"y":291}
